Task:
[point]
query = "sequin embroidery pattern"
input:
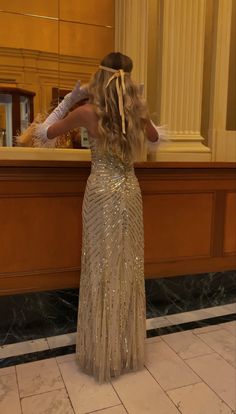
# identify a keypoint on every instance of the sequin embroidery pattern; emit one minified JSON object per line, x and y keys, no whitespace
{"x":112,"y":308}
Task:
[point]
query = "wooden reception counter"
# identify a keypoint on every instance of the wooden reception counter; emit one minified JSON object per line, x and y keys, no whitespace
{"x":189,"y":220}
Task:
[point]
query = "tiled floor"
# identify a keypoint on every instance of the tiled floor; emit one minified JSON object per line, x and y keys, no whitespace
{"x":188,"y":372}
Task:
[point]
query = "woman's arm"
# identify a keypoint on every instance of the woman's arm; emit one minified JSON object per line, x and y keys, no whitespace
{"x":41,"y":135}
{"x":150,"y":130}
{"x":77,"y":118}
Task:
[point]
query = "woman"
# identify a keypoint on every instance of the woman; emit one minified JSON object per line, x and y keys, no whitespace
{"x":112,"y":308}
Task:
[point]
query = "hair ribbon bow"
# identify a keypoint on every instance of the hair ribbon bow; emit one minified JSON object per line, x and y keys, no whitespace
{"x":118,"y":74}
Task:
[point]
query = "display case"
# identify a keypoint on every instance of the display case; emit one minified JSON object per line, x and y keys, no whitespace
{"x":16,"y":113}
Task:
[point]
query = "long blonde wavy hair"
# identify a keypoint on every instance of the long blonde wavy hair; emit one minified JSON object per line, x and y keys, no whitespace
{"x":124,"y":145}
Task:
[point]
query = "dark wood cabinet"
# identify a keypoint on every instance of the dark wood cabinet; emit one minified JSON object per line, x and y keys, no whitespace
{"x":189,"y":221}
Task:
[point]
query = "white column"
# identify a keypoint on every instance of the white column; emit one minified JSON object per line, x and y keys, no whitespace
{"x":223,"y":142}
{"x":182,"y":79}
{"x":131,"y":34}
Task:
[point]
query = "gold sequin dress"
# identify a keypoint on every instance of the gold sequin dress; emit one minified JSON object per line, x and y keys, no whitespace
{"x":111,"y":328}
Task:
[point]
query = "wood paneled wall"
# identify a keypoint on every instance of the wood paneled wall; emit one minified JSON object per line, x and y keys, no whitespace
{"x":189,"y":220}
{"x":48,"y":44}
{"x":74,"y":28}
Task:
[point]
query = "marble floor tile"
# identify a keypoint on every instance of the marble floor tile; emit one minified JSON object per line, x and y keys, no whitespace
{"x":186,"y":344}
{"x":153,"y":339}
{"x":21,"y":348}
{"x":231,"y":307}
{"x":118,"y":409}
{"x":9,"y":395}
{"x":153,"y":323}
{"x":53,"y":402}
{"x":198,"y":399}
{"x":38,"y":377}
{"x":188,"y":316}
{"x":218,"y":374}
{"x":165,"y":365}
{"x":85,"y":393}
{"x":222,"y":342}
{"x":61,"y":340}
{"x":221,"y":310}
{"x":229,"y":326}
{"x":65,"y":358}
{"x":141,"y":394}
{"x":208,"y":328}
{"x":7,"y":370}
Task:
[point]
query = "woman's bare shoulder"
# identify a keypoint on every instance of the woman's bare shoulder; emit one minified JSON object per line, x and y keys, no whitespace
{"x":88,"y":107}
{"x":91,"y":118}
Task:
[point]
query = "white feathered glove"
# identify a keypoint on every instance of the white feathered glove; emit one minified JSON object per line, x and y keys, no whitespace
{"x":40,"y":133}
{"x":163,"y":137}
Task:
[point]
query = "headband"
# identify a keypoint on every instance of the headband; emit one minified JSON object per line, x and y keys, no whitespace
{"x":120,"y":89}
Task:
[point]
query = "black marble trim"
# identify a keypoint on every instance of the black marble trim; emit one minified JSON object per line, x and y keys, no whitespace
{"x":70,"y":349}
{"x":36,"y":356}
{"x":190,"y":325}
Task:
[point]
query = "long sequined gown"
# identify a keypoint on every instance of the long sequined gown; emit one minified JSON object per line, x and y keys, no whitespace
{"x":112,"y":308}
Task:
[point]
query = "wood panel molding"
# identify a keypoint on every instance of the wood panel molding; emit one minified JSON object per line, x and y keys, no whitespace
{"x":189,"y":221}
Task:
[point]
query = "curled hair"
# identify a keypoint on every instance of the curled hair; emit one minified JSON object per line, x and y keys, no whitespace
{"x":124,"y":145}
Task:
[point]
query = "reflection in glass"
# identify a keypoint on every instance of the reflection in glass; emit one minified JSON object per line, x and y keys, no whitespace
{"x":24,"y":113}
{"x":5,"y":120}
{"x":16,"y":113}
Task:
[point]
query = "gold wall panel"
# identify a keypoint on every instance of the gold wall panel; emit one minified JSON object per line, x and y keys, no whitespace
{"x":230,"y":224}
{"x":89,"y":11}
{"x":25,"y":32}
{"x":40,"y":7}
{"x":85,"y":40}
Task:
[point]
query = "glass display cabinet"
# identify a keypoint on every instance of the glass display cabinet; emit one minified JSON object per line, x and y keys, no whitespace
{"x":16,"y":113}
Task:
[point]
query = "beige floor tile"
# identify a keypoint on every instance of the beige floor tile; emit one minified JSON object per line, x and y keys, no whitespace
{"x":153,"y":339}
{"x":39,"y":376}
{"x":208,"y":328}
{"x":223,"y":342}
{"x":158,"y":322}
{"x":198,"y":399}
{"x":167,"y":367}
{"x":218,"y":374}
{"x":65,"y":358}
{"x":7,"y":370}
{"x":141,"y":394}
{"x":183,"y":317}
{"x":231,"y":307}
{"x":219,"y":310}
{"x":61,"y":340}
{"x":186,"y":344}
{"x":118,"y":409}
{"x":9,"y":396}
{"x":53,"y":402}
{"x":229,"y":326}
{"x":21,"y":348}
{"x":85,"y":393}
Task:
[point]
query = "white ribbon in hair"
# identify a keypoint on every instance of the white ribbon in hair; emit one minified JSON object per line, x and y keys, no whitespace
{"x":120,"y":88}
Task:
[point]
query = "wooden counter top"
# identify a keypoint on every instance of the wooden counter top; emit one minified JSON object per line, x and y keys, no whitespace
{"x":146,"y":164}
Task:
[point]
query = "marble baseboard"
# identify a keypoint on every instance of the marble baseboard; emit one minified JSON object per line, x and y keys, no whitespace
{"x":47,"y":314}
{"x":177,"y":294}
